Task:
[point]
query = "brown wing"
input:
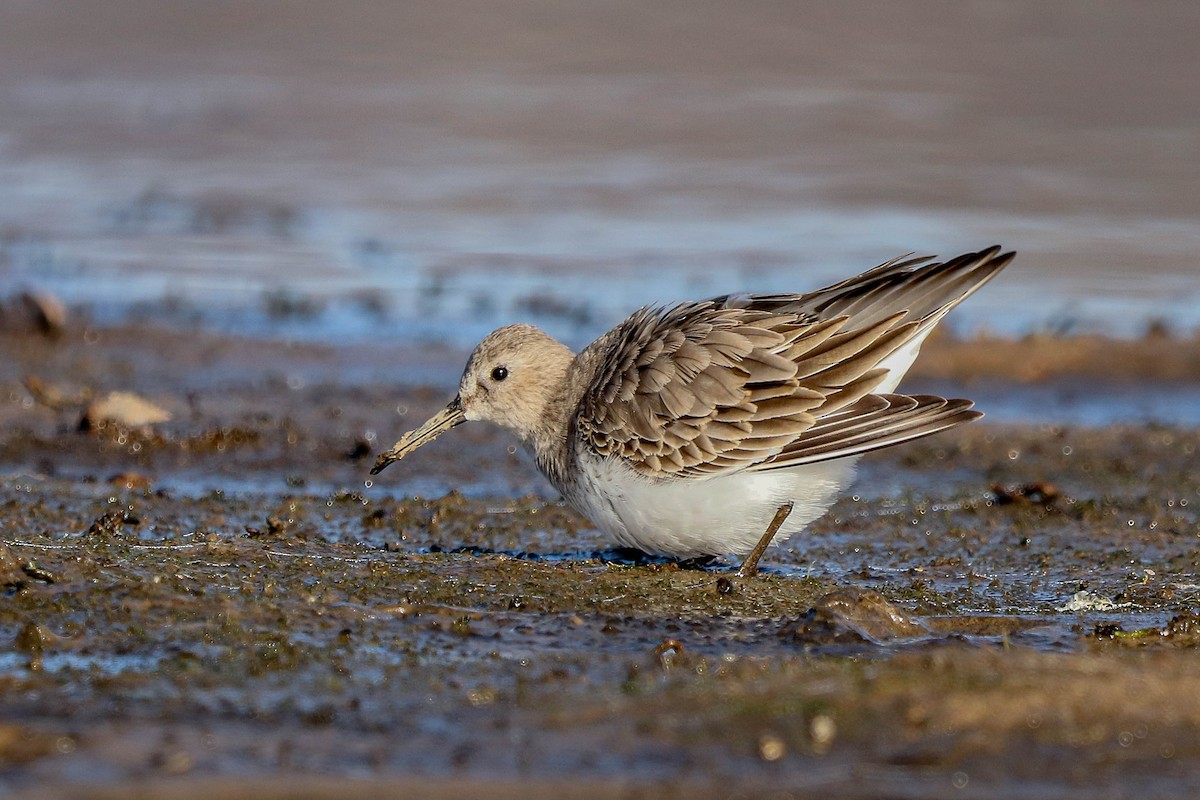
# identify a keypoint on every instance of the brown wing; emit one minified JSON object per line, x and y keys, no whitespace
{"x":699,"y":389}
{"x":768,"y":381}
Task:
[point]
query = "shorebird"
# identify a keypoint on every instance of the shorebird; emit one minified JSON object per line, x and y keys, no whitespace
{"x":697,"y":430}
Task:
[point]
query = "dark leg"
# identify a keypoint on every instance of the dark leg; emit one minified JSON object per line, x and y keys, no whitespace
{"x":750,"y":565}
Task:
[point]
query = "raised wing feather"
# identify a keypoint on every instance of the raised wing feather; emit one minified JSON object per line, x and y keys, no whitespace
{"x":772,"y":381}
{"x":924,"y":288}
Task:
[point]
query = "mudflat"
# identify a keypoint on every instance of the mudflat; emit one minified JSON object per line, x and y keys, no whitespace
{"x":222,"y":602}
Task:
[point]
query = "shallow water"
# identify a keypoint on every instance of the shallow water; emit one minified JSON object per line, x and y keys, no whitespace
{"x":459,"y":292}
{"x":1078,"y":402}
{"x":378,"y":193}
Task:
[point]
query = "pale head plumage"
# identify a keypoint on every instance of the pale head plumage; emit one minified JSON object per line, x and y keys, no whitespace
{"x":515,"y":378}
{"x":511,"y":377}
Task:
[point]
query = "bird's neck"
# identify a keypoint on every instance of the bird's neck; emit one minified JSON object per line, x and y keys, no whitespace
{"x":549,"y":440}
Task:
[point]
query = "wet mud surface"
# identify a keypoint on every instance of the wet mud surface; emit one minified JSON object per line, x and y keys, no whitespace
{"x":214,"y":600}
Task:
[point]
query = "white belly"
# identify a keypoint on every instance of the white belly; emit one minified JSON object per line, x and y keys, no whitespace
{"x":693,"y":517}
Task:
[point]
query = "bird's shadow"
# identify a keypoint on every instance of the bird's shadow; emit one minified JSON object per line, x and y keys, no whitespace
{"x":622,"y":556}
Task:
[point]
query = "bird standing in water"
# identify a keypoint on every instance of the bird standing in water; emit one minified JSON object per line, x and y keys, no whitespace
{"x":701,"y":429}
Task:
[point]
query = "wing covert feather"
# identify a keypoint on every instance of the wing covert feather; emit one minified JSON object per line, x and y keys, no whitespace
{"x":772,"y":381}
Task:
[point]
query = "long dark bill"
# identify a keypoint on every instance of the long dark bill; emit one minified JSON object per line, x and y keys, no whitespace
{"x":438,"y":424}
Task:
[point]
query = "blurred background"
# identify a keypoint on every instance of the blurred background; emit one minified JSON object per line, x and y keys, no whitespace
{"x":426,"y":171}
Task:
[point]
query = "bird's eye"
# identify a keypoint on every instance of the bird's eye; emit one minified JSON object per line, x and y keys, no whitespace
{"x":499,"y":373}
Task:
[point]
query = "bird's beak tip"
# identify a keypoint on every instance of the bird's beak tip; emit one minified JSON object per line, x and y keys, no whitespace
{"x":439,"y":423}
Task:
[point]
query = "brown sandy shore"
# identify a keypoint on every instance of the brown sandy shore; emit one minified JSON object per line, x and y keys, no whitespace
{"x":219,"y":604}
